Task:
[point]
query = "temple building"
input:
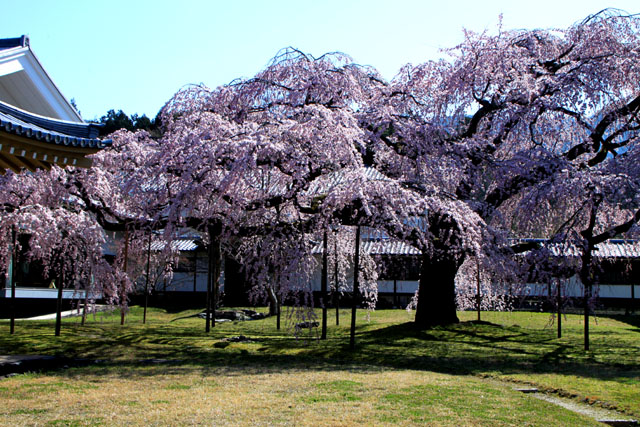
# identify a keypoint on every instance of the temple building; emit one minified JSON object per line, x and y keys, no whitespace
{"x":38,"y":126}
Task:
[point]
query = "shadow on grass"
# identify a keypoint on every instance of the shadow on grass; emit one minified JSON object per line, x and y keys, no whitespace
{"x":467,"y":348}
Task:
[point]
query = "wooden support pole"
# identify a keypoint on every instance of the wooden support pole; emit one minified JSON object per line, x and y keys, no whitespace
{"x":209,"y":282}
{"x":336,"y":294}
{"x":356,"y":291}
{"x":395,"y":293}
{"x":59,"y":302}
{"x":123,"y":294}
{"x":323,"y":286}
{"x":146,"y":280}
{"x":587,"y":298}
{"x":195,"y":270}
{"x":12,"y":279}
{"x":478,"y":294}
{"x":559,"y":307}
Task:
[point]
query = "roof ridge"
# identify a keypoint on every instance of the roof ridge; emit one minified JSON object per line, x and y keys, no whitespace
{"x":81,"y":130}
{"x":22,"y":41}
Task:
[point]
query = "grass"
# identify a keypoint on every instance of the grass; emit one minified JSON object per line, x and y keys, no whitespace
{"x":172,"y":372}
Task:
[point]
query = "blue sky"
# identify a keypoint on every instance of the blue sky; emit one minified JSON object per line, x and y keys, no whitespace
{"x":134,"y":55}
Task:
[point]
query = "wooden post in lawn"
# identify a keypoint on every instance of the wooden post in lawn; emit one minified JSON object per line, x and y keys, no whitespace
{"x":278,"y":310}
{"x":356,"y":291}
{"x":209,"y":281}
{"x":146,"y":281}
{"x":216,"y":278}
{"x":478,"y":295}
{"x":59,"y":302}
{"x":195,"y":270}
{"x":123,"y":294}
{"x":323,"y":286}
{"x":336,"y":295}
{"x":587,"y":297}
{"x":395,"y":293}
{"x":12,"y":277}
{"x":587,"y":282}
{"x":213,"y":275}
{"x":559,"y":307}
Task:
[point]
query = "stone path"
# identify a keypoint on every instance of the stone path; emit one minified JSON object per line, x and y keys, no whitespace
{"x":603,"y":415}
{"x":69,"y":313}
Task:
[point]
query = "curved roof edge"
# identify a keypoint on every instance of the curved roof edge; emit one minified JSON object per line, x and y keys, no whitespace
{"x":60,"y":132}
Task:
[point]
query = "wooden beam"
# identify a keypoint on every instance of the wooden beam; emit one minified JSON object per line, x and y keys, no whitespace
{"x":10,"y":162}
{"x":22,"y":152}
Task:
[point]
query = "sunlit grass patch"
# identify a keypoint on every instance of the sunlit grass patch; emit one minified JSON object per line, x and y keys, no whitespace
{"x":33,"y":411}
{"x":173,"y":372}
{"x":178,"y":387}
{"x":336,"y":391}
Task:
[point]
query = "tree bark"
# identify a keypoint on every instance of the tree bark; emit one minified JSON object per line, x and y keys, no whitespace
{"x":437,"y":291}
{"x":274,"y":303}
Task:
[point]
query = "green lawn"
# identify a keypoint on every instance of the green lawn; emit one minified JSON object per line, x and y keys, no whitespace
{"x":172,"y":372}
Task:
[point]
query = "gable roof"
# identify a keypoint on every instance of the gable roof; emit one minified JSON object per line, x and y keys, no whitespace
{"x":25,"y":84}
{"x":38,"y":126}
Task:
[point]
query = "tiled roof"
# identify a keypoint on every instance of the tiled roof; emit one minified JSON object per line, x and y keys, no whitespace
{"x":614,"y":248}
{"x":176,"y":245}
{"x":59,"y":132}
{"x":22,"y":41}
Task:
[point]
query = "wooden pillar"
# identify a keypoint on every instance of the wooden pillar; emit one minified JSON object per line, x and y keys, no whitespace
{"x":195,"y":270}
{"x":323,"y":286}
{"x":213,"y":275}
{"x":123,"y":294}
{"x":395,"y":293}
{"x":12,"y":279}
{"x":336,"y":295}
{"x":59,"y":301}
{"x":146,"y":281}
{"x":559,"y":307}
{"x":478,"y":293}
{"x":356,"y":291}
{"x":207,"y":327}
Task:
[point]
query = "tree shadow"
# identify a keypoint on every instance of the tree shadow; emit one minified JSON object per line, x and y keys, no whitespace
{"x":468,"y":348}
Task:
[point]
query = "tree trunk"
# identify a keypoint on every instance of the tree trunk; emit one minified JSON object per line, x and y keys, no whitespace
{"x":235,"y":294}
{"x":437,"y":291}
{"x":274,"y":305}
{"x":84,"y":308}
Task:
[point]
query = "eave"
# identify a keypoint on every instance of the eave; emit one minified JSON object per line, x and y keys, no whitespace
{"x":29,"y":141}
